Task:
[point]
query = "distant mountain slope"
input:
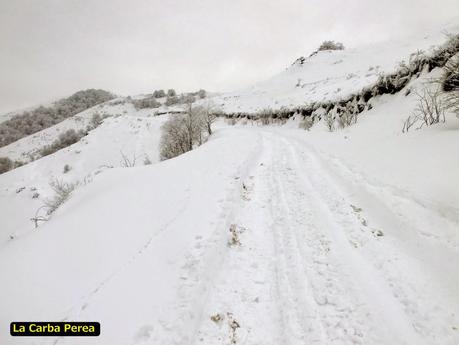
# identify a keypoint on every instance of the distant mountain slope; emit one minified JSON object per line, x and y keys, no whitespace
{"x":21,"y":125}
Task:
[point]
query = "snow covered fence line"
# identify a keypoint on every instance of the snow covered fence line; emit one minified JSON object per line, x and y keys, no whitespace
{"x":345,"y":111}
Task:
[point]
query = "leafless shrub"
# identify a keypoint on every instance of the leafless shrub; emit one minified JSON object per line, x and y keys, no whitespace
{"x":127,"y":162}
{"x":409,"y":122}
{"x":67,"y":168}
{"x":429,"y":110}
{"x":62,"y":192}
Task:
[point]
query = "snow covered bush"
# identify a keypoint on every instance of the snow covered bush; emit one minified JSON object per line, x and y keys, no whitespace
{"x":6,"y":164}
{"x":62,"y":192}
{"x":96,"y":120}
{"x":171,"y":93}
{"x":159,"y":94}
{"x":187,"y":98}
{"x":331,"y":45}
{"x":29,"y":122}
{"x":183,"y":131}
{"x":65,"y":139}
{"x":148,"y":102}
{"x":306,"y":123}
{"x":329,"y":121}
{"x":171,"y":100}
{"x":347,"y":116}
{"x":202,"y":93}
{"x":174,"y":137}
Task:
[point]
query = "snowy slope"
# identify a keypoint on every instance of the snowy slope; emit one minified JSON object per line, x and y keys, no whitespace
{"x":331,"y":75}
{"x":133,"y":135}
{"x":326,"y":255}
{"x":144,"y":248}
{"x":350,"y":237}
{"x":28,"y":147}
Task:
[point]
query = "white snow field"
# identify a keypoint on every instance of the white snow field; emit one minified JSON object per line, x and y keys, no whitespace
{"x":266,"y":235}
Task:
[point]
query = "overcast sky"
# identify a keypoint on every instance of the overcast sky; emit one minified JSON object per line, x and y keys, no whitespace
{"x":52,"y":48}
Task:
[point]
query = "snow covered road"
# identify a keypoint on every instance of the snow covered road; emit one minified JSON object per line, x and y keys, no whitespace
{"x":315,"y":255}
{"x":313,"y":268}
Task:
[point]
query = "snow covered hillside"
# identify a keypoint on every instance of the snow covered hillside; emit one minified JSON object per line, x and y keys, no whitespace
{"x":262,"y":235}
{"x":331,"y":75}
{"x":128,"y":139}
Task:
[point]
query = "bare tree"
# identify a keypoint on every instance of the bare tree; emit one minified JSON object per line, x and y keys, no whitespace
{"x":210,"y":115}
{"x":182,"y":132}
{"x":174,"y":137}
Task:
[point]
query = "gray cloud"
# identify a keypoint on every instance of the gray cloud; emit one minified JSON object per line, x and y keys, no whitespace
{"x":51,"y":48}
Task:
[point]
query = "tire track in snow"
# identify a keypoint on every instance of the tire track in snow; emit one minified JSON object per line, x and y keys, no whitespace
{"x":321,"y":291}
{"x":204,"y":262}
{"x":407,"y":294}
